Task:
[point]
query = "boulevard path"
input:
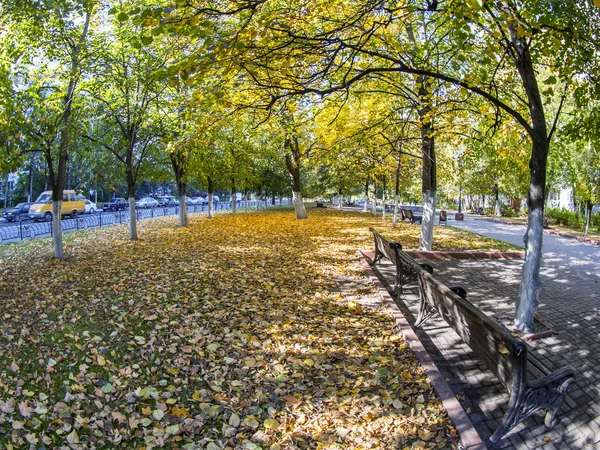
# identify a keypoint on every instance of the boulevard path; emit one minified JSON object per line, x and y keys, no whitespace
{"x":557,"y":251}
{"x":569,"y":305}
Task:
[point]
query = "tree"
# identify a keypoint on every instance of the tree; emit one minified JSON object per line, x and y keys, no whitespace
{"x":127,"y":89}
{"x":61,"y":32}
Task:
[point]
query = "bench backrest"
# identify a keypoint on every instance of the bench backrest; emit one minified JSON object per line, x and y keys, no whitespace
{"x":389,"y":249}
{"x":504,"y":354}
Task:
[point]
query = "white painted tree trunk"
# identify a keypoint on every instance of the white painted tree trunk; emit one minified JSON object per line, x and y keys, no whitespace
{"x":498,"y":211}
{"x":59,"y":252}
{"x":374,"y":199}
{"x":426,"y":241}
{"x":184,"y":219}
{"x":383,"y":206}
{"x":395,"y":218}
{"x":366,"y":206}
{"x":340,"y":202}
{"x":588,"y":218}
{"x":529,"y":291}
{"x":299,"y":205}
{"x":210,"y":205}
{"x":258,"y":203}
{"x":133,"y":235}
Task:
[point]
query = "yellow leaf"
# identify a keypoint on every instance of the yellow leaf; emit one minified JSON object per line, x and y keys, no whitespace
{"x":179,"y":412}
{"x":101,"y":360}
{"x":271,"y":424}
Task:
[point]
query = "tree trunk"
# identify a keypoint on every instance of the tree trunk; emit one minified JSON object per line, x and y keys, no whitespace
{"x":374,"y":198}
{"x":233,"y":197}
{"x":588,"y":214}
{"x":292,"y":162}
{"x":383,"y":200}
{"x":529,"y":291}
{"x":133,"y":234}
{"x":6,"y":192}
{"x":429,"y":177}
{"x":340,"y":200}
{"x":497,"y":209}
{"x":366,"y":206}
{"x":59,"y":252}
{"x":396,"y":189}
{"x":211,"y":189}
{"x":299,"y":205}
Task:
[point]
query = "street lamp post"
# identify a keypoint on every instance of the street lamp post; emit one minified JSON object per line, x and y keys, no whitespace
{"x":460,"y":197}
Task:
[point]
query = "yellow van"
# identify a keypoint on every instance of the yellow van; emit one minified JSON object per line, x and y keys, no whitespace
{"x":73,"y":204}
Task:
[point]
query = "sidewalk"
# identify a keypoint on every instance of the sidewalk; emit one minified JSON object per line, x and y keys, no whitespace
{"x":569,"y":305}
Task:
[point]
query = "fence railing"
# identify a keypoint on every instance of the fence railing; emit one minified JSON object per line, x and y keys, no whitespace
{"x":29,"y":229}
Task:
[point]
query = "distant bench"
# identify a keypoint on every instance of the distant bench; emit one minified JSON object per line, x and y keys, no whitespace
{"x":505,"y":355}
{"x":408,"y":214}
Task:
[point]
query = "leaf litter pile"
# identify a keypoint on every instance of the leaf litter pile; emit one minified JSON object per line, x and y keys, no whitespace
{"x":225,"y":334}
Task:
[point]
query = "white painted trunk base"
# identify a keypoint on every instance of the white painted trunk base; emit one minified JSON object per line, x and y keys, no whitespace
{"x":210,"y":205}
{"x":299,"y":205}
{"x":133,"y":235}
{"x":183,"y":212}
{"x":59,"y":251}
{"x":529,"y":291}
{"x":426,"y":241}
{"x":395,"y":218}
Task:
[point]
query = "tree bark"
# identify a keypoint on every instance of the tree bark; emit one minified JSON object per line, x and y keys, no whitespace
{"x":429,"y":177}
{"x":529,"y":292}
{"x":383,"y":199}
{"x":498,"y":210}
{"x":366,"y":205}
{"x":292,"y":162}
{"x":374,"y":198}
{"x":588,"y":214}
{"x":233,"y":197}
{"x":59,"y":252}
{"x":133,"y":234}
{"x":211,"y":188}
{"x":396,"y":189}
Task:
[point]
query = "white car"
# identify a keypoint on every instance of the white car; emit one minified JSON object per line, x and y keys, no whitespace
{"x":198,"y":201}
{"x":146,"y":202}
{"x":90,"y":207}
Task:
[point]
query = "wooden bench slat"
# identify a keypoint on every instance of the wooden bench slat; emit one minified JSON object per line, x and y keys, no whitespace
{"x":505,"y":355}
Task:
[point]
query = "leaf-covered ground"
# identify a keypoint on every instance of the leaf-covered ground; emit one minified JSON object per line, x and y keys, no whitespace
{"x":223,"y":335}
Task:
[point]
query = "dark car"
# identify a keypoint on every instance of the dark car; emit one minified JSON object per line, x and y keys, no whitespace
{"x":18,"y":213}
{"x":115,"y":204}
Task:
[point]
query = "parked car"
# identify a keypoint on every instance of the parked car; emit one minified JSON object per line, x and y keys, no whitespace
{"x":167,"y":200}
{"x":73,"y":204}
{"x":90,"y":207}
{"x":18,"y":213}
{"x":199,"y":201}
{"x":146,"y":202}
{"x":115,"y":204}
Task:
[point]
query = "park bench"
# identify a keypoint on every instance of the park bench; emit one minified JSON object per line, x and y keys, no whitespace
{"x":412,"y":217}
{"x":403,"y":263}
{"x":507,"y":356}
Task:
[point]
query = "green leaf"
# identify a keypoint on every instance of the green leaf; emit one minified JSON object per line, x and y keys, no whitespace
{"x":122,"y":17}
{"x":147,"y":40}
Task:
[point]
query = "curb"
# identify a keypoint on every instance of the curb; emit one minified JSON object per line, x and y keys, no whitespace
{"x":554,"y":233}
{"x":468,"y":435}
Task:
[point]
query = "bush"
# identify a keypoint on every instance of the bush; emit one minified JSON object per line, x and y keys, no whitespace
{"x":566,"y":218}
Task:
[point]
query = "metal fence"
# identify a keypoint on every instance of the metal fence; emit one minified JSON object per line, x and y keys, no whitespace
{"x":29,"y":229}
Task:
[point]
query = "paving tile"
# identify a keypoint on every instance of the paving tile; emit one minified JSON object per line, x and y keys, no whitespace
{"x":569,"y":305}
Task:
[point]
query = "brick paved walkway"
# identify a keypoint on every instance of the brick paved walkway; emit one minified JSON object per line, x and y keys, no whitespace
{"x":569,"y":304}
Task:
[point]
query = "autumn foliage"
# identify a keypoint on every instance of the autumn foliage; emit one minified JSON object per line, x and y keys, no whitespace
{"x":225,"y":334}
